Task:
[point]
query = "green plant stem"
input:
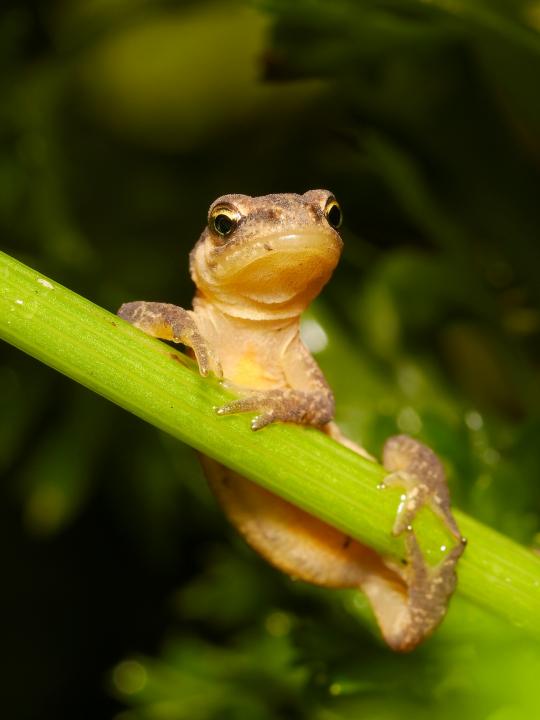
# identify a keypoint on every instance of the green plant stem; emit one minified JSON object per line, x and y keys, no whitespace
{"x":160,"y":385}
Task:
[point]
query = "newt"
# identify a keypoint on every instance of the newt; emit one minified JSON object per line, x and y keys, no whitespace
{"x":258,"y":264}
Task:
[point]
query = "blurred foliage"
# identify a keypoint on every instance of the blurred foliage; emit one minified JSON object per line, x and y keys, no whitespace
{"x":120,"y":121}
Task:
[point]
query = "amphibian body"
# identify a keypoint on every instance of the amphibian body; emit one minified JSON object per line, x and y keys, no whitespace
{"x":258,"y":264}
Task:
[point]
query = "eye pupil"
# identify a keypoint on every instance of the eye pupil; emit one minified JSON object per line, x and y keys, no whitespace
{"x":334,"y":215}
{"x":224,"y":224}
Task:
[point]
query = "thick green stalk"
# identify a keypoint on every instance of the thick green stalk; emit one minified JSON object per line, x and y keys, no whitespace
{"x":158,"y":384}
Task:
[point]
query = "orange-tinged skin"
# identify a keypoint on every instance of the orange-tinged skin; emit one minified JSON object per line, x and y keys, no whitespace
{"x":257,"y":266}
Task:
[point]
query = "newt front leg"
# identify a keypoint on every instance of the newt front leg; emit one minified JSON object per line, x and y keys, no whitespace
{"x":169,"y":322}
{"x":307,"y":401}
{"x":285,"y":405}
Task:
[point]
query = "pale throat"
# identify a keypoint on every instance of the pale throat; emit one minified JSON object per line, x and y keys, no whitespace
{"x":251,"y":311}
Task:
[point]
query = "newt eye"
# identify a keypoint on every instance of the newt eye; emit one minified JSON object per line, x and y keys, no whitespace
{"x":223,"y":219}
{"x":333,"y":214}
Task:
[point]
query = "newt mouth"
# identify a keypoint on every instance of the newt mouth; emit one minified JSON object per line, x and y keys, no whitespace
{"x":276,"y":275}
{"x":278,"y":264}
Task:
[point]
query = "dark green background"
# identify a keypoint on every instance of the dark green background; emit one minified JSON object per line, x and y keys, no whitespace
{"x":123,"y":591}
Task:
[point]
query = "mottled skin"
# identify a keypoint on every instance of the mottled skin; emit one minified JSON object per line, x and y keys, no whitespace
{"x":257,"y":265}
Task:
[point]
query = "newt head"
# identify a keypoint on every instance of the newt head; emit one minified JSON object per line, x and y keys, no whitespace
{"x":267,"y":257}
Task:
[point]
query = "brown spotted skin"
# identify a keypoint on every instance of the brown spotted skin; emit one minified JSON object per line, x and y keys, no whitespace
{"x":253,"y":281}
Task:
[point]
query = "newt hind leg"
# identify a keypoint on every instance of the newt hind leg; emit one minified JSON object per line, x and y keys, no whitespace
{"x":417,"y":469}
{"x":408,"y":602}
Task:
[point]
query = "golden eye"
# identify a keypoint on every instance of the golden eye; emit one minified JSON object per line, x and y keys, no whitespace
{"x":333,"y":214}
{"x":223,"y":219}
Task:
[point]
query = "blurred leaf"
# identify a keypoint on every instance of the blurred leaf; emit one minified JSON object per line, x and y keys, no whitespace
{"x":57,"y":479}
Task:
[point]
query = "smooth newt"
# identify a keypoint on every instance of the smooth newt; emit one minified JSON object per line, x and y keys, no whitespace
{"x":258,"y":264}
